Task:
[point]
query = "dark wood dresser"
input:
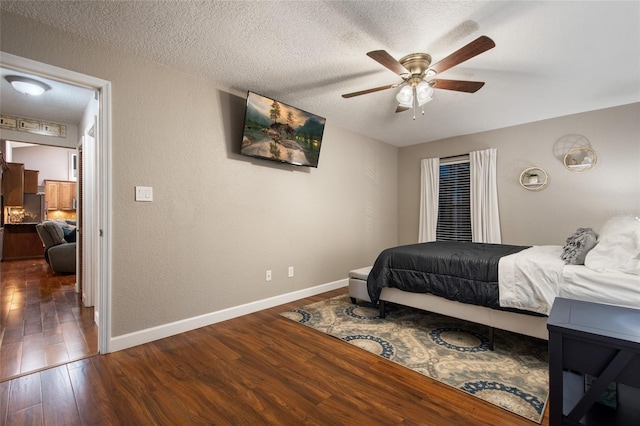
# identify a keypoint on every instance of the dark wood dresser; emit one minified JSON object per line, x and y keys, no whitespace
{"x":602,"y":341}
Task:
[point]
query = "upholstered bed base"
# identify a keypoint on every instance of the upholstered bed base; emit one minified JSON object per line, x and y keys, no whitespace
{"x":530,"y":325}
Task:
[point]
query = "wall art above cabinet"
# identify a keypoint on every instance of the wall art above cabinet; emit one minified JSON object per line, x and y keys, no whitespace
{"x":33,"y":126}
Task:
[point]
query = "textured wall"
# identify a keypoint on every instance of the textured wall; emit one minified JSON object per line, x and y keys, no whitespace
{"x":218,"y":220}
{"x":570,"y":201}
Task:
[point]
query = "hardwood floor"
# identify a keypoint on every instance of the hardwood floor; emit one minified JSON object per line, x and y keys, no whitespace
{"x":256,"y":369}
{"x":42,"y":321}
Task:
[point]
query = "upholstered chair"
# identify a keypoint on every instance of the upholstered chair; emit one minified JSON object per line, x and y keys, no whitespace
{"x":60,"y":245}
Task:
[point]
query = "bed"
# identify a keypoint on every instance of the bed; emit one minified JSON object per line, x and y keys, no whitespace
{"x":511,"y":287}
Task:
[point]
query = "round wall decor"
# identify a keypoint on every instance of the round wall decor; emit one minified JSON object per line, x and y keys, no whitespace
{"x":534,"y":179}
{"x":580,"y":160}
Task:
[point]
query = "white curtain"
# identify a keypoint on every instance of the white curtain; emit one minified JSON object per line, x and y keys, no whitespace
{"x":429,"y":191}
{"x":485,"y":218}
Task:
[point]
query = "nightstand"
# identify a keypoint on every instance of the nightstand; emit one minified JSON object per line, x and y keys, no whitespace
{"x":604,"y":342}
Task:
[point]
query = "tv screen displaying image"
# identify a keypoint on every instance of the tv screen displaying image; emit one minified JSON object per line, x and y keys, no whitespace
{"x":279,"y":132}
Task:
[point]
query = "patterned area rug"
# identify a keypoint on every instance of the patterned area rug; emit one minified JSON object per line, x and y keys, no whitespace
{"x":514,"y":376}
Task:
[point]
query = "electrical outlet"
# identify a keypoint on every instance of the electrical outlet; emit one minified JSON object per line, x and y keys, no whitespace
{"x":290,"y":271}
{"x":267,"y":276}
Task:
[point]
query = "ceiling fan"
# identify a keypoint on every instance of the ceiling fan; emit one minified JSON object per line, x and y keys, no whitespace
{"x":416,"y":72}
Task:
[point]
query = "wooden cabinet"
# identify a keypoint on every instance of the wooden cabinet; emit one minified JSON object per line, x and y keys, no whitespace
{"x":31,"y":181}
{"x":13,"y":184}
{"x":51,"y":189}
{"x":66,"y":196}
{"x":59,"y":194}
{"x":17,"y":181}
{"x":21,"y":241}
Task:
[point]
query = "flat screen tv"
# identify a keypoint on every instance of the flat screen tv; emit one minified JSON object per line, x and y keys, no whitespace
{"x":279,"y":132}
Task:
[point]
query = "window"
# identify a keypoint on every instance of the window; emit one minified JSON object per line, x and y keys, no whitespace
{"x":454,"y":206}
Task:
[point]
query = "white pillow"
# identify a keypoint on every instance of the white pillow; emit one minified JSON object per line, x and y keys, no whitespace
{"x":618,"y":247}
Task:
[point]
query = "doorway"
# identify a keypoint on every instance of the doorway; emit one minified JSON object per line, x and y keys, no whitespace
{"x":96,"y":239}
{"x":43,"y":320}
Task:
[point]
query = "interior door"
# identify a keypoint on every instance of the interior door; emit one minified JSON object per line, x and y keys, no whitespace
{"x":80,"y":223}
{"x":87,"y":175}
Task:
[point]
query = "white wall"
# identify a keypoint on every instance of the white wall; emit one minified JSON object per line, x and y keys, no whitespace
{"x":570,"y":201}
{"x":51,"y":162}
{"x":218,"y":219}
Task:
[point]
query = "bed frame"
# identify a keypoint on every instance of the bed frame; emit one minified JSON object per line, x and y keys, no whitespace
{"x":530,"y":325}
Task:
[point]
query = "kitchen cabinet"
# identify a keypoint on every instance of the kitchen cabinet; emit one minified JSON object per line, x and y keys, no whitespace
{"x":59,"y":194}
{"x":51,"y":189}
{"x":66,"y":196}
{"x":13,"y":184}
{"x":31,"y":181}
{"x":21,"y":241}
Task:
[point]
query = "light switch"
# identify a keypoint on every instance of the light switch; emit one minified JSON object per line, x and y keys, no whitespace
{"x":144,"y":193}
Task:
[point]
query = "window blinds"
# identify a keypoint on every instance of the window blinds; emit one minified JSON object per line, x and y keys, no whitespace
{"x":454,"y":206}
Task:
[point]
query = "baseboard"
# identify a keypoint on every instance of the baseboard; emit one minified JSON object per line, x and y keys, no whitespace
{"x":166,"y":330}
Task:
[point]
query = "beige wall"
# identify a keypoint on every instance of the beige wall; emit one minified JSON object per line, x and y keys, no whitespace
{"x":570,"y":201}
{"x":218,"y":220}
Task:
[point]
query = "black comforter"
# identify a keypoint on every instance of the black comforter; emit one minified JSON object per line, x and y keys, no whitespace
{"x":462,"y":271}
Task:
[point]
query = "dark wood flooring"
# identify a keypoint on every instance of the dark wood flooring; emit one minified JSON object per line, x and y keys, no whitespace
{"x":42,"y":320}
{"x":256,"y":369}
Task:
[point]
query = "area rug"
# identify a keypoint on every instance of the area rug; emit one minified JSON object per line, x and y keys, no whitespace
{"x":514,"y":376}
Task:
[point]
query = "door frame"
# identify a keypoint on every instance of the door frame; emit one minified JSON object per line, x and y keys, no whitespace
{"x":102,"y":187}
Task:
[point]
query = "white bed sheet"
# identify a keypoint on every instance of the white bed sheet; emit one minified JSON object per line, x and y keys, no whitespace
{"x":614,"y":288}
{"x":532,"y":278}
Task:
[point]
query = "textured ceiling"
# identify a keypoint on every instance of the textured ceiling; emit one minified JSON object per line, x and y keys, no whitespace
{"x":62,"y":104}
{"x":551,"y":58}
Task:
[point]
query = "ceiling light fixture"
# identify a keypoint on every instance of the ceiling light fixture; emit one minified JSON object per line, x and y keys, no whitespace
{"x":415,"y":93}
{"x":27,"y":85}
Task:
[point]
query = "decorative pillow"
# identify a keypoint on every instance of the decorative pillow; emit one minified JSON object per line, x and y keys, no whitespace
{"x":578,"y":246}
{"x":55,"y":231}
{"x":69,"y":234}
{"x":618,"y":248}
{"x":61,"y":223}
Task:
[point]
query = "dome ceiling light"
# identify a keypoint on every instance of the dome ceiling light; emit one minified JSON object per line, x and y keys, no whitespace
{"x":27,"y":85}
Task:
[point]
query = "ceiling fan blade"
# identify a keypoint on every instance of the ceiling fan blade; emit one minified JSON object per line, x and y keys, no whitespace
{"x":457,"y":85}
{"x":364,"y":92}
{"x":476,"y":47}
{"x":402,"y":108}
{"x":386,"y":60}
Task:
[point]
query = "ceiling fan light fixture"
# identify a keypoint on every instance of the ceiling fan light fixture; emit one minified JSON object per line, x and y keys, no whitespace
{"x":405,"y":96}
{"x":424,"y":93}
{"x":27,"y":85}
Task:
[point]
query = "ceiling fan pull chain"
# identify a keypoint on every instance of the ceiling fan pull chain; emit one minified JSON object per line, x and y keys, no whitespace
{"x":415,"y":101}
